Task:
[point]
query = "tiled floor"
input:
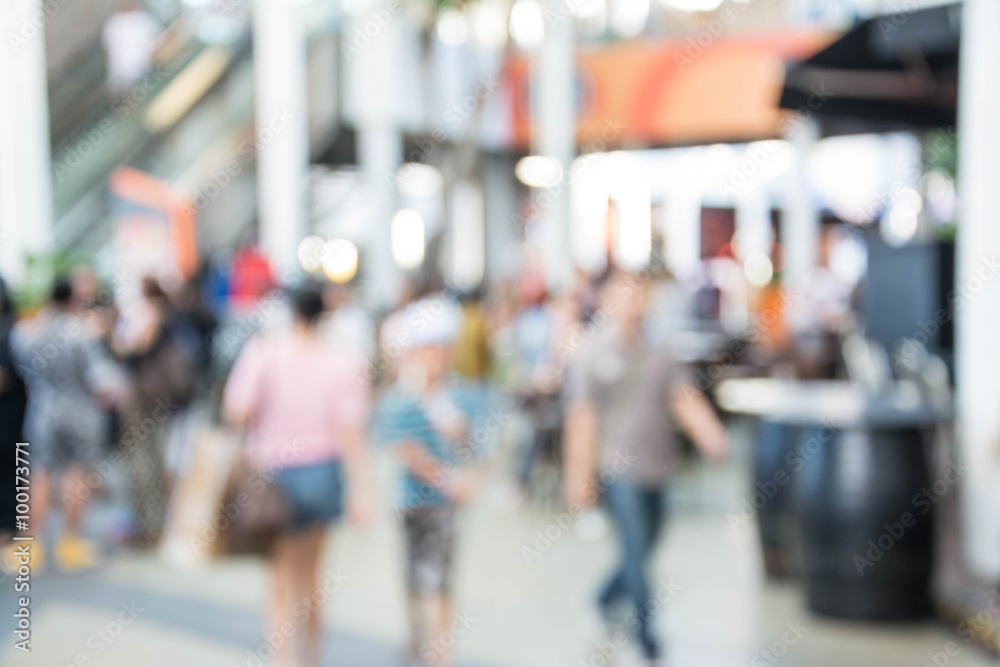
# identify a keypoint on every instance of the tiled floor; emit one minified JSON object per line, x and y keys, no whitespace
{"x":720,"y":612}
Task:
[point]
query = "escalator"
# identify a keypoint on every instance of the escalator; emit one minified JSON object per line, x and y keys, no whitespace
{"x":196,"y":93}
{"x":189,"y":123}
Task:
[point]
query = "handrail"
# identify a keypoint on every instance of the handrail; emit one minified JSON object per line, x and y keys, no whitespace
{"x":78,"y":94}
{"x":117,"y":134}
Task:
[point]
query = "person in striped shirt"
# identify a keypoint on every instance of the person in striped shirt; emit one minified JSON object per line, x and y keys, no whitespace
{"x":424,"y":416}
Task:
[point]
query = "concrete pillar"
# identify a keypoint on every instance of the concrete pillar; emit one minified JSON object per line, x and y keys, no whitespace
{"x":282,"y":129}
{"x":681,"y":226}
{"x":25,"y":150}
{"x":553,"y":121}
{"x":378,"y":93}
{"x":978,"y":315}
{"x":500,"y":194}
{"x":799,"y":225}
{"x":468,"y":234}
{"x":753,"y":224}
{"x":380,"y":150}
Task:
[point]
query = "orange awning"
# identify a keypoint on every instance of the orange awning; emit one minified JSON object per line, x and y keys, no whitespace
{"x":683,"y":91}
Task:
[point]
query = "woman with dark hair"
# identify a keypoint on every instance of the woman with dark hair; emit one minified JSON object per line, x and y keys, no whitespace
{"x":13,"y":399}
{"x":162,"y":380}
{"x":295,"y":394}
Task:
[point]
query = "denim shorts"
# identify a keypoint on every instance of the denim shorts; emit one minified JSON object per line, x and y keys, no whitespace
{"x":315,"y":493}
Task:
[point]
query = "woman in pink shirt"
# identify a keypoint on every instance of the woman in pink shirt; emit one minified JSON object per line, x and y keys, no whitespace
{"x":305,"y":421}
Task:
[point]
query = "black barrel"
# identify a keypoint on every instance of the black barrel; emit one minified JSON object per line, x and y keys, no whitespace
{"x":773,"y":495}
{"x":866,"y":521}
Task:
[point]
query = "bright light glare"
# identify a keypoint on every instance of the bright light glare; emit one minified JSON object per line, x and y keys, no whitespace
{"x":849,"y":259}
{"x":693,"y":5}
{"x":310,"y":254}
{"x":407,"y":238}
{"x":488,"y":18}
{"x":942,"y":202}
{"x":630,"y":192}
{"x":628,"y":17}
{"x":527,"y":24}
{"x":417,"y":180}
{"x":848,"y":174}
{"x":452,"y":28}
{"x":340,"y":260}
{"x":468,"y":235}
{"x":588,"y":187}
{"x":758,"y":270}
{"x":908,"y":201}
{"x":899,"y":227}
{"x":901,"y":224}
{"x":538,"y":171}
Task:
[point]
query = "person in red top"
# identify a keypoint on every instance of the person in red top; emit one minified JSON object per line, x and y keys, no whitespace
{"x":250,"y":279}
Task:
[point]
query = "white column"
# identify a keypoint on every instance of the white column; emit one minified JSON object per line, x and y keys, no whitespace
{"x":25,"y":150}
{"x":375,"y":48}
{"x":978,"y":316}
{"x":380,"y":150}
{"x":282,"y":129}
{"x":753,"y":224}
{"x":468,"y":234}
{"x":589,"y":191}
{"x":502,"y":256}
{"x":799,"y":224}
{"x":681,"y":226}
{"x":553,"y":121}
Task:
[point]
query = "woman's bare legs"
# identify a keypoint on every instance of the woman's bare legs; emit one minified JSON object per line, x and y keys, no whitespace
{"x":283,"y":565}
{"x":76,"y":493}
{"x":311,"y":548}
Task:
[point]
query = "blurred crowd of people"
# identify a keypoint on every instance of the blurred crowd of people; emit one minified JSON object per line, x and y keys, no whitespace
{"x":109,"y":389}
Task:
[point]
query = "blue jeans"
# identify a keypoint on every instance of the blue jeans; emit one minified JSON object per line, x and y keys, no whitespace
{"x":638,"y":515}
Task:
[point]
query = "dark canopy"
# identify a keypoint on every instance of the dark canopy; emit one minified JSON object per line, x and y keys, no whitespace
{"x":893,"y":71}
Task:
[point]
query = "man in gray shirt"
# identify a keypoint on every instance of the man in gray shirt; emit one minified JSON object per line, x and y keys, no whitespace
{"x":627,"y":396}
